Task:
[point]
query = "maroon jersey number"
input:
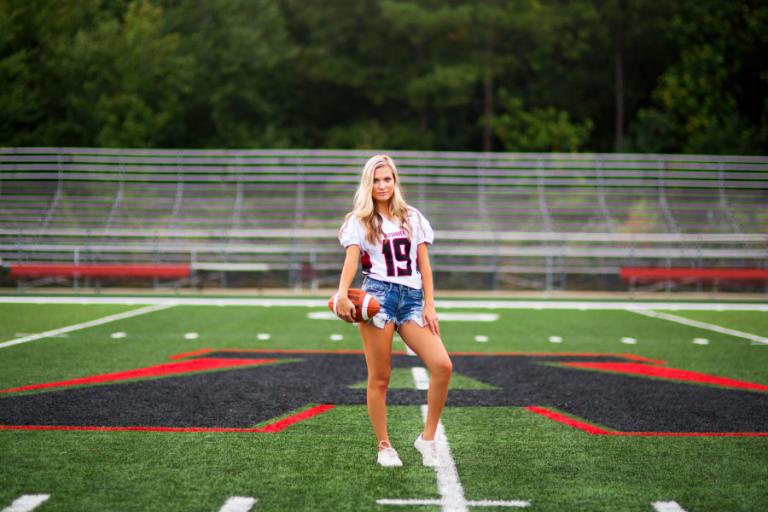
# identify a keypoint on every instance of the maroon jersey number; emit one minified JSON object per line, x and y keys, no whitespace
{"x":397,"y":250}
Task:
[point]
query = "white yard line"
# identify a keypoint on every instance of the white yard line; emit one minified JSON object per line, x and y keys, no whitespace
{"x":442,"y":503}
{"x":26,"y":503}
{"x":420,"y":377}
{"x":85,"y":325}
{"x":599,"y":305}
{"x":468,"y":317}
{"x":441,"y":304}
{"x":667,"y":506}
{"x":703,"y":325}
{"x":238,"y":504}
{"x":448,"y":484}
{"x":498,"y":503}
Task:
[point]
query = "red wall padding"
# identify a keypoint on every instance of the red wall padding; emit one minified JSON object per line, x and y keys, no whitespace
{"x":708,"y":274}
{"x":96,"y":270}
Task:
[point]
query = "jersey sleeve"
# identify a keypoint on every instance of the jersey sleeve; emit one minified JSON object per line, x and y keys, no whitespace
{"x":351,"y":233}
{"x":423,"y":230}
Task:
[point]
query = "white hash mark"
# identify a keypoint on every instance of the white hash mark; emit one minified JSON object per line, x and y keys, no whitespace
{"x":26,"y":503}
{"x":667,"y":506}
{"x":238,"y":504}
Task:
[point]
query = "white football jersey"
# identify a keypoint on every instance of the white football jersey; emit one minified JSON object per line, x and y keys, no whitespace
{"x":394,"y":257}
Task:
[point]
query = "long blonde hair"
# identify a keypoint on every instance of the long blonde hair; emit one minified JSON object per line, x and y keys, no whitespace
{"x":364,"y":208}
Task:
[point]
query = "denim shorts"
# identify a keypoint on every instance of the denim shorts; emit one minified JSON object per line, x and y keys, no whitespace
{"x":399,"y":303}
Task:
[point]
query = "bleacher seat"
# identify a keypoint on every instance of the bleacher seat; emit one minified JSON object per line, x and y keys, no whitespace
{"x":548,"y":221}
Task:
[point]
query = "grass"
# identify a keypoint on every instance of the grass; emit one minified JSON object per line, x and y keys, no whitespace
{"x":327,"y":463}
{"x":312,"y":466}
{"x":556,"y":468}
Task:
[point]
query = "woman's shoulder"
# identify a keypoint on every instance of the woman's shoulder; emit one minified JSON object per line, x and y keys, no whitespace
{"x":350,"y":219}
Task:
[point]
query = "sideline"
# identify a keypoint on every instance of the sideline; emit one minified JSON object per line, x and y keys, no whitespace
{"x":85,"y":325}
{"x":703,"y":325}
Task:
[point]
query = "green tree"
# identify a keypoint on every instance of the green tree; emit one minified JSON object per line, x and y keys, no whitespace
{"x":30,"y":95}
{"x":236,"y":85}
{"x":543,"y":129}
{"x":347,"y":83}
{"x":713,"y":98}
{"x":125,"y":78}
{"x":85,"y":73}
{"x":594,"y":75}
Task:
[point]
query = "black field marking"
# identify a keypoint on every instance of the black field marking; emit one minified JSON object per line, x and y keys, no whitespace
{"x":245,"y":397}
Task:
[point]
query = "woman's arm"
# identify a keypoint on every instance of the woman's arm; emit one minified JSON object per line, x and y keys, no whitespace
{"x":428,"y":286}
{"x":344,"y":307}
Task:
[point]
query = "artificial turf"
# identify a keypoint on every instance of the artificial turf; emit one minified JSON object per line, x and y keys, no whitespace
{"x":327,"y":462}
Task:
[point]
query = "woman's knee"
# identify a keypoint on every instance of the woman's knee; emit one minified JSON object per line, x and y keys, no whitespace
{"x":379,"y":380}
{"x":442,"y":368}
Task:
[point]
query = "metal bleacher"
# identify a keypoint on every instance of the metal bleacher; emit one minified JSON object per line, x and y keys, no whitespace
{"x":270,"y":217}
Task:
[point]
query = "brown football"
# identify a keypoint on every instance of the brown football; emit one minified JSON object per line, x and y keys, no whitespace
{"x":366,"y":305}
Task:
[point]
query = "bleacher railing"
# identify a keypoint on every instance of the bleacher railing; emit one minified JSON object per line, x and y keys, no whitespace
{"x":503,"y":220}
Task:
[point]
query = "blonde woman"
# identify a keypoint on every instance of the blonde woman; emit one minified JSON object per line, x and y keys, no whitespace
{"x":391,"y":239}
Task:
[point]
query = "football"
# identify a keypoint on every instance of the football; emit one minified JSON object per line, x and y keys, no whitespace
{"x":366,"y":305}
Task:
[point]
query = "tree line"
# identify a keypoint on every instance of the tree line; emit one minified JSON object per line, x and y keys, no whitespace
{"x":688,"y":76}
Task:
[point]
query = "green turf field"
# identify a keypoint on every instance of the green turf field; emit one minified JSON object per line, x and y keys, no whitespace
{"x":327,"y":462}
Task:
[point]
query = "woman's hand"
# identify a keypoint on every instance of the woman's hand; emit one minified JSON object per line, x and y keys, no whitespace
{"x":344,"y":308}
{"x":430,"y":318}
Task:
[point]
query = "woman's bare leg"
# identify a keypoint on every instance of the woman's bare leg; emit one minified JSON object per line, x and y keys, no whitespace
{"x":377,"y":344}
{"x":429,"y":347}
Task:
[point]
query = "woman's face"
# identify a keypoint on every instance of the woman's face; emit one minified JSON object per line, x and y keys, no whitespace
{"x":383,"y":184}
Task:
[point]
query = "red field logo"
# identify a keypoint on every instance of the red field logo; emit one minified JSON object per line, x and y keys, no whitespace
{"x":267,"y":391}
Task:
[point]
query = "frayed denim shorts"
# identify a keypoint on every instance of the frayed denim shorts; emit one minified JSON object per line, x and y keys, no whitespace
{"x":399,"y":303}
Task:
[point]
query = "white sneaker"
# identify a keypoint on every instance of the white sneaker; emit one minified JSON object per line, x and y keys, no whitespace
{"x":428,"y":450}
{"x":388,"y":457}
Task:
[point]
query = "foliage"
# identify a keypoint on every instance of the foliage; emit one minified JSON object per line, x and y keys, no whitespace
{"x":419,"y":74}
{"x":713,"y":99}
{"x":544,"y":129}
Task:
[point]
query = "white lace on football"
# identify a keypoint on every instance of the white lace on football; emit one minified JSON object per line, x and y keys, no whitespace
{"x":366,"y":302}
